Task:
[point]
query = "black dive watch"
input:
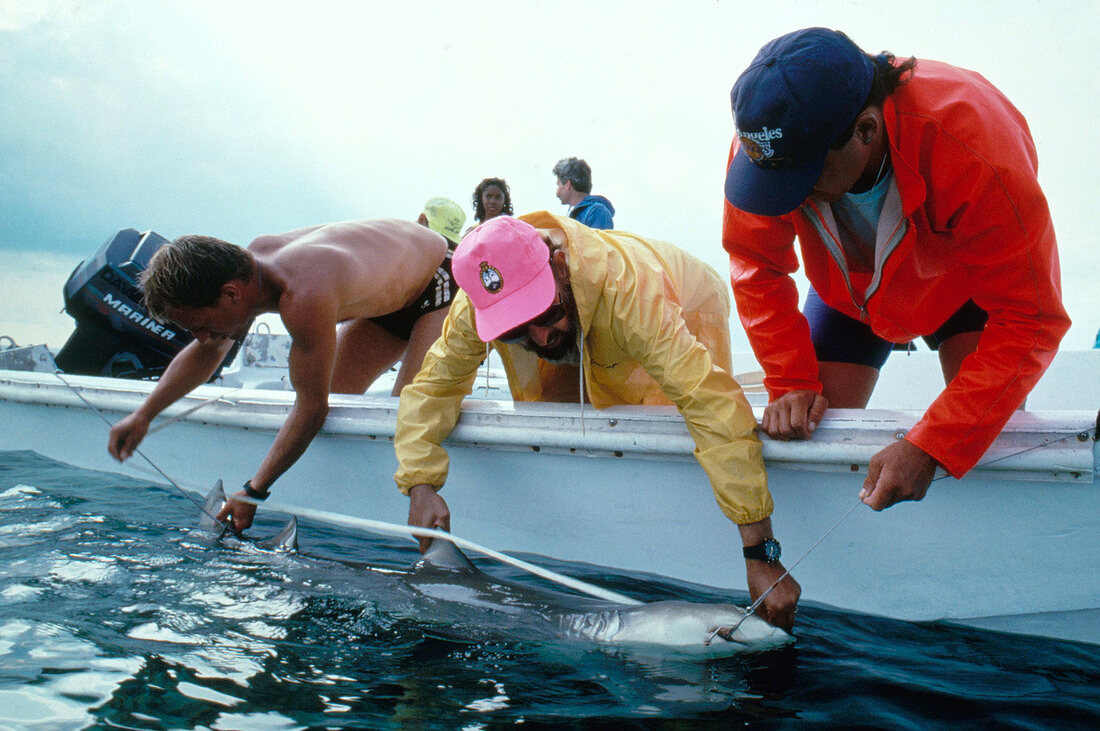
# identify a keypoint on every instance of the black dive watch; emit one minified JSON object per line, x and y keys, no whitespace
{"x":254,"y":493}
{"x":768,"y":551}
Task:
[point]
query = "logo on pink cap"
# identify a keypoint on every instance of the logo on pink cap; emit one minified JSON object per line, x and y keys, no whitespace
{"x":503,"y":266}
{"x":490,"y":278}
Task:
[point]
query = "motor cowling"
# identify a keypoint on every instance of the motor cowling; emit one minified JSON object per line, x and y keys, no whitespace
{"x":115,"y":335}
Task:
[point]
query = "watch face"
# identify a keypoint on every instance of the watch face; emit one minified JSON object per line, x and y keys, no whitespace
{"x":767,"y":550}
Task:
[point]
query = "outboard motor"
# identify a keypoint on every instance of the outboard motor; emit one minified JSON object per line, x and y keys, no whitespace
{"x":115,"y":336}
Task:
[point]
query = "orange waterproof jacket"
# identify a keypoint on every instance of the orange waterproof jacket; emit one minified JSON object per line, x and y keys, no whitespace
{"x":965,"y":219}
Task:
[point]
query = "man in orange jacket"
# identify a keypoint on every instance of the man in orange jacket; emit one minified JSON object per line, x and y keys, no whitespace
{"x":911,"y":187}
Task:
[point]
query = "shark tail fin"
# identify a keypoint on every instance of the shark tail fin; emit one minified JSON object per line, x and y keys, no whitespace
{"x":211,"y":506}
{"x":286,"y":541}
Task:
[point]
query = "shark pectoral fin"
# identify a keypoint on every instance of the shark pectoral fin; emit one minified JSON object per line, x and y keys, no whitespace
{"x":286,"y":541}
{"x":211,"y":507}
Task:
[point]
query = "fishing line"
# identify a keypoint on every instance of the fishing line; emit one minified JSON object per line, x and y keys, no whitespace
{"x":161,"y":472}
{"x":727,"y":633}
{"x":187,"y":412}
{"x":382,"y":527}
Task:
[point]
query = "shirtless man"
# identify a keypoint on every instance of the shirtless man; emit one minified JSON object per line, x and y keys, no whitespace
{"x":387,"y":281}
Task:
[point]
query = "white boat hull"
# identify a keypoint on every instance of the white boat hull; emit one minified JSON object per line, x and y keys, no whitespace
{"x":1019,"y":536}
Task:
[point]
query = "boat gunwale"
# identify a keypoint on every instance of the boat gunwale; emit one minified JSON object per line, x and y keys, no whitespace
{"x":845,"y":440}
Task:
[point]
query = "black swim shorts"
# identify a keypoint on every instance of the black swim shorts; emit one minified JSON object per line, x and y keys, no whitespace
{"x":838,"y":338}
{"x":437,"y":295}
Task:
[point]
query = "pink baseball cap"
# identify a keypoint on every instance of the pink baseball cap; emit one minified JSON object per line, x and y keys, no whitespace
{"x":503,"y":266}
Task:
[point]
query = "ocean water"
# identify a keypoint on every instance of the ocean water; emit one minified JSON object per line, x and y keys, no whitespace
{"x":116,"y":613}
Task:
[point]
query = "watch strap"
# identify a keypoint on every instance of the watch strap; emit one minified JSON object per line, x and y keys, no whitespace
{"x":767,"y":550}
{"x":253,"y":492}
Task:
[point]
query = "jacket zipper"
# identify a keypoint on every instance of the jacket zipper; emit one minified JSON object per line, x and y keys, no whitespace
{"x":832,"y":245}
{"x":836,"y":251}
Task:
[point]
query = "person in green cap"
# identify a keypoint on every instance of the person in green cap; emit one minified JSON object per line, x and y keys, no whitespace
{"x":445,"y":217}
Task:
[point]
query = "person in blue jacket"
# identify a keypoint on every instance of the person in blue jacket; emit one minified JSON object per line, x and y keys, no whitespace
{"x":575,"y":191}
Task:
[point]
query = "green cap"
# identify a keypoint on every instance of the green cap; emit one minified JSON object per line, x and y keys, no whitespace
{"x":445,"y":217}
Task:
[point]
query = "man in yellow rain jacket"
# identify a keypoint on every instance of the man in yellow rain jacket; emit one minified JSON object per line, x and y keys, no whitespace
{"x":624,"y":319}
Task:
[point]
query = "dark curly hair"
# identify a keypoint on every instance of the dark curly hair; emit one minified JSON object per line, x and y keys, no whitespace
{"x":479,"y":207}
{"x":885,"y":82}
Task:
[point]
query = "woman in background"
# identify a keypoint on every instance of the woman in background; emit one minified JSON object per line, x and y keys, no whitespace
{"x":491,"y":199}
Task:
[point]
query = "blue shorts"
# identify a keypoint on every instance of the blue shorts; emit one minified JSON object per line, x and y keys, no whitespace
{"x":838,"y":338}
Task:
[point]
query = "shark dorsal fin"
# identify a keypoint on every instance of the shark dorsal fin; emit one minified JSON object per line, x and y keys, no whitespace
{"x":443,"y":554}
{"x":211,"y":506}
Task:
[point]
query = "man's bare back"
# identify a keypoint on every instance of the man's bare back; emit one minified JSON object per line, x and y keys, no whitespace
{"x":373,"y":267}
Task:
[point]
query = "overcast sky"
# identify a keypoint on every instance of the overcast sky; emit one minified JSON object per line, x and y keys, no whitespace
{"x":236,"y":119}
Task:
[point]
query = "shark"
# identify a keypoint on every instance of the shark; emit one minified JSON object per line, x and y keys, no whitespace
{"x":444,"y":576}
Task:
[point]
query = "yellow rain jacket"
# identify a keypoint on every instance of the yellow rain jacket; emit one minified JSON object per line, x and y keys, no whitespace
{"x":655,"y":330}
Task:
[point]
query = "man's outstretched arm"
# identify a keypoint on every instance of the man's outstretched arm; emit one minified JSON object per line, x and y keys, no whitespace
{"x":192,"y":367}
{"x":312,"y":327}
{"x":429,"y":410}
{"x":722,"y":426}
{"x":779,"y":607}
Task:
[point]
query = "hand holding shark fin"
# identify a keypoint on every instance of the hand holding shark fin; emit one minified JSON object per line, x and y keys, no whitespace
{"x":286,"y":540}
{"x":428,"y":510}
{"x":237,"y":513}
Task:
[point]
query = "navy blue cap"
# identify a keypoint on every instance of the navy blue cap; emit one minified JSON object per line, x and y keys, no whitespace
{"x":793,"y":101}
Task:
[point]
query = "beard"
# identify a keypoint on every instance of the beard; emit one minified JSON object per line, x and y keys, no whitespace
{"x":563,"y":351}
